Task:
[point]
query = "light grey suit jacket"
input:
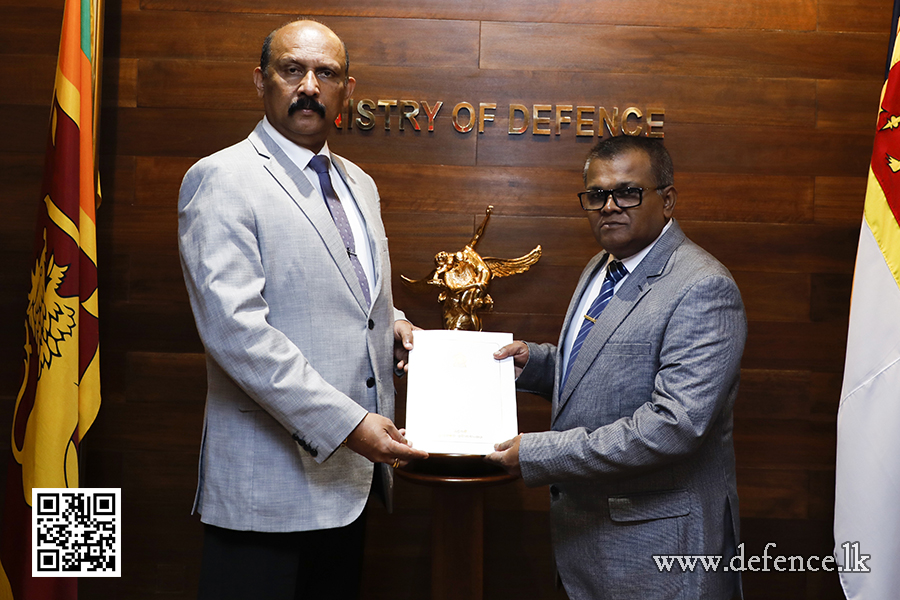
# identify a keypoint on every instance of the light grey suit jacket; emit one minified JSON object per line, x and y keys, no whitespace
{"x":640,"y":456}
{"x":292,"y":350}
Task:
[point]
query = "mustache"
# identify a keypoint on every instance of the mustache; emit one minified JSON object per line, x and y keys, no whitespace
{"x":307,"y":103}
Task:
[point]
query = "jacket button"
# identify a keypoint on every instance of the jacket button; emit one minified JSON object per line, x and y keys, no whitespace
{"x":371,"y":324}
{"x":370,"y":382}
{"x":314,"y":453}
{"x":554,"y":492}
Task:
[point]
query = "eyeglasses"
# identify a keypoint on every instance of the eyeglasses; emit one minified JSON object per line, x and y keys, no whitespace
{"x":626,"y":197}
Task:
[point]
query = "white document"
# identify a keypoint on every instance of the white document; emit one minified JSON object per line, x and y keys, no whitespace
{"x":460,"y":399}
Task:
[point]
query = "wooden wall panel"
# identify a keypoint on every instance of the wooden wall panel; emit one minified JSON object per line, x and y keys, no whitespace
{"x":120,"y":82}
{"x":769,"y":111}
{"x":776,"y":393}
{"x":26,"y":128}
{"x":773,"y":493}
{"x":796,"y":346}
{"x":198,"y":35}
{"x":777,"y":248}
{"x":854,"y":15}
{"x":839,"y":200}
{"x":33,"y":77}
{"x":847,"y":105}
{"x":701,"y":52}
{"x":756,"y":14}
{"x":775,"y":296}
{"x":829,"y":290}
{"x":32,"y":28}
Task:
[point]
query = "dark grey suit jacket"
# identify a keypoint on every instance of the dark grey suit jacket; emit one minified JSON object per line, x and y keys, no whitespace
{"x":640,"y":456}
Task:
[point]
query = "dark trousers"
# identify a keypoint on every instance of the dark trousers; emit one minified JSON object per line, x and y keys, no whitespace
{"x":250,"y":565}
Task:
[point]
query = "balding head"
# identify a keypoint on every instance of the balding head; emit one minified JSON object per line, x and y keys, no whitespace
{"x":266,"y":54}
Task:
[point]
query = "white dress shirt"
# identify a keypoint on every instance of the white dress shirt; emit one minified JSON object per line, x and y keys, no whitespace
{"x":301,"y":157}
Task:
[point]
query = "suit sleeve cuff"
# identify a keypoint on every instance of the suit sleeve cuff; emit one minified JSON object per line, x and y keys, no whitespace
{"x":335,"y":436}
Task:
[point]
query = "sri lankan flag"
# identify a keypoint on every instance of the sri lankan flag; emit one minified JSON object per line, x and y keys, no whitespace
{"x":59,"y":394}
{"x":866,"y":515}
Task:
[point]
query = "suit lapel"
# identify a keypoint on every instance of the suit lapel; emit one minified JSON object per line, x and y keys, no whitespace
{"x":292,"y":179}
{"x":634,"y":288}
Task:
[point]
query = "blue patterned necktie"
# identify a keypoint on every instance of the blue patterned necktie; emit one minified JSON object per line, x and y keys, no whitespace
{"x":319,"y":163}
{"x":614,"y":274}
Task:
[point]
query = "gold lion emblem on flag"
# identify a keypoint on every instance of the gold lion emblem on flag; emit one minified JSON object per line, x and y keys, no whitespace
{"x":50,"y":316}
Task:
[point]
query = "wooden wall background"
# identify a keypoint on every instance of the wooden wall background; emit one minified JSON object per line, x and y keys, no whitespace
{"x":769,"y":113}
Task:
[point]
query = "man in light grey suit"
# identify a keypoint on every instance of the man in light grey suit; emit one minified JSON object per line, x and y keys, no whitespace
{"x":286,"y":264}
{"x":640,"y":459}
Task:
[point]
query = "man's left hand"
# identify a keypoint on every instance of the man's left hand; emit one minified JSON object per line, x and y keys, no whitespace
{"x":506,"y":455}
{"x":403,"y":343}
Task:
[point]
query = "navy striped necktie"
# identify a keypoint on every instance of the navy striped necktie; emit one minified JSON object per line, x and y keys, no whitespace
{"x":614,"y":274}
{"x":319,"y":163}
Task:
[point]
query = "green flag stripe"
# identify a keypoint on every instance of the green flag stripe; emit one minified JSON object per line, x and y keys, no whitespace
{"x":86,"y":27}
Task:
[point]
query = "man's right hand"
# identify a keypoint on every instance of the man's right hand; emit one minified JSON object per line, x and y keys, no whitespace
{"x":379,"y":440}
{"x":519,"y":352}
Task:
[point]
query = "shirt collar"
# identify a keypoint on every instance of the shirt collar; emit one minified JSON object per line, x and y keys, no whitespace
{"x":631,"y":263}
{"x":299,"y":155}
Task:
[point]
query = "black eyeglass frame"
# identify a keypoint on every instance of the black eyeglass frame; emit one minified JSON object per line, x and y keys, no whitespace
{"x":607,"y":193}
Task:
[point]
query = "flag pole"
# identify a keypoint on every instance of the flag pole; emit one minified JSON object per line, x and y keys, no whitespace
{"x":97,"y":87}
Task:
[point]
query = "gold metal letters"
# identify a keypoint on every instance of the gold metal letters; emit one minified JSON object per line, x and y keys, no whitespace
{"x":541,"y":119}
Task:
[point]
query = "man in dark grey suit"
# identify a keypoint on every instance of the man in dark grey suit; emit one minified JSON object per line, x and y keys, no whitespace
{"x":640,"y":459}
{"x":286,"y":264}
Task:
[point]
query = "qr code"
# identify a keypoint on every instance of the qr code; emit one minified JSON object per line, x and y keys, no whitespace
{"x":76,"y":532}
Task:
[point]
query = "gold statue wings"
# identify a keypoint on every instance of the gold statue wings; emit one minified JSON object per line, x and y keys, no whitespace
{"x":503,"y":267}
